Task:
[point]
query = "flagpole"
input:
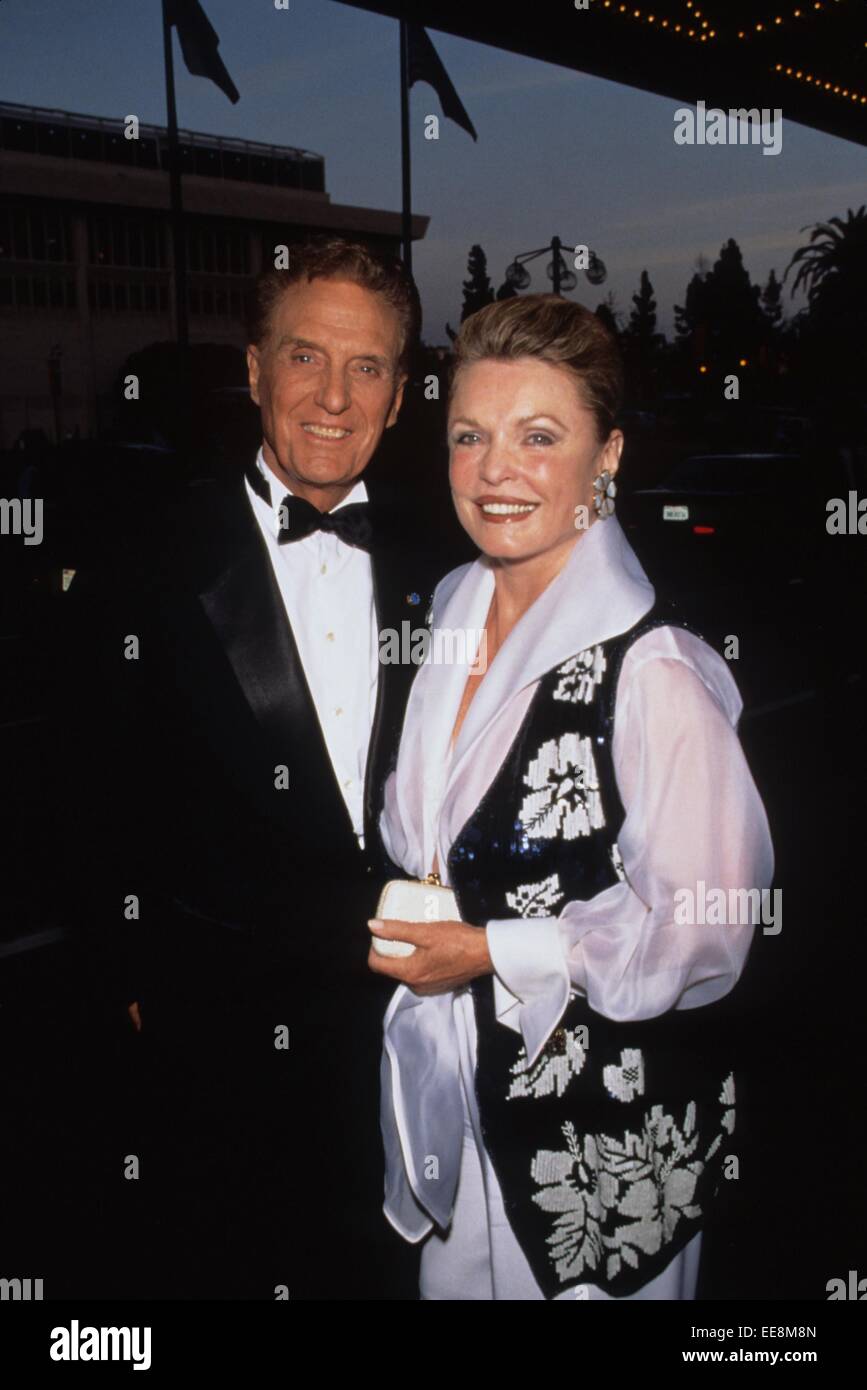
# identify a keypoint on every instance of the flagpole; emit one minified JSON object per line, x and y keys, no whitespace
{"x":406,"y":223}
{"x":178,"y":239}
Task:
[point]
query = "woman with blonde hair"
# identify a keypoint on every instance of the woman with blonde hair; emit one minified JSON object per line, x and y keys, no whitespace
{"x":557,"y":1099}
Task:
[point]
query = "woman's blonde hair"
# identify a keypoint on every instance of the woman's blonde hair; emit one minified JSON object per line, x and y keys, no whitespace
{"x":554,"y":330}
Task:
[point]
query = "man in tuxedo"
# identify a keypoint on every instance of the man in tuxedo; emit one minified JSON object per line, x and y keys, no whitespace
{"x":237,"y":727}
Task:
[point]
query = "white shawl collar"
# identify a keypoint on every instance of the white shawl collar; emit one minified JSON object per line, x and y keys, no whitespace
{"x":600,"y":592}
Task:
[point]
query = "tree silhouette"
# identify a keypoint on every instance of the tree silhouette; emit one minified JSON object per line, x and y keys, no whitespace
{"x":689,"y":317}
{"x":772,"y":300}
{"x":642,"y":320}
{"x":642,"y":345}
{"x":478,"y":290}
{"x":607,"y":312}
{"x":832,"y":268}
{"x":721,"y":319}
{"x":834,"y":263}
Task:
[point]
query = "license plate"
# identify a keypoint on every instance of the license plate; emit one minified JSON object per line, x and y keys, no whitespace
{"x":675,"y":513}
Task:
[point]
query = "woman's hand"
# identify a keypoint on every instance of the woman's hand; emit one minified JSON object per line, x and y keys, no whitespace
{"x":447,"y":954}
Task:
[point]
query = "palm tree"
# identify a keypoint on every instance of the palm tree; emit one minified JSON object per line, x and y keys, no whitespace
{"x":833,"y":271}
{"x":835,"y":261}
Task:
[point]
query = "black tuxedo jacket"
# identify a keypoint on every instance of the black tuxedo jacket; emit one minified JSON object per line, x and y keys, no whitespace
{"x":178,"y":750}
{"x":230,"y":905}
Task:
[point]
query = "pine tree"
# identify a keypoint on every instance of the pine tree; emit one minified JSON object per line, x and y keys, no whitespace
{"x":607,"y":312}
{"x":772,"y":296}
{"x":642,"y":345}
{"x":722,"y":317}
{"x":478,"y":290}
{"x":642,"y":319}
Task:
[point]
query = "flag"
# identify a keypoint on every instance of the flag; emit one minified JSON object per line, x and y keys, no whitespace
{"x":199,"y":44}
{"x":424,"y":65}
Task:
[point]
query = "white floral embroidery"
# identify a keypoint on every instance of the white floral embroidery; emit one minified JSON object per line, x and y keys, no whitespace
{"x":617,"y":862}
{"x":536,"y":899}
{"x":552,"y":1071}
{"x":580,"y":676}
{"x":564,"y":797}
{"x":649,"y":1179}
{"x":726,"y":1097}
{"x":626,"y":1081}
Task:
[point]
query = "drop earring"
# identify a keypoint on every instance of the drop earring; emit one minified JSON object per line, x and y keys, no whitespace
{"x":604,"y":493}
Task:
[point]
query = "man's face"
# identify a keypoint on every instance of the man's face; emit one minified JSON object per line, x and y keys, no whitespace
{"x":327,"y":384}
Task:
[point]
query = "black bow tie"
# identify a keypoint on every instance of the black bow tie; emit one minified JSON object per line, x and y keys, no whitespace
{"x":299,"y":518}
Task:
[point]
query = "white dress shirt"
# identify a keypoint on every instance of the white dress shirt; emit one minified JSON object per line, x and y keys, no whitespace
{"x":692,"y":812}
{"x":327,"y":591}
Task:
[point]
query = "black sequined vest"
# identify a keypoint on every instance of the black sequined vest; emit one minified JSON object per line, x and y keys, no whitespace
{"x":608,"y":1148}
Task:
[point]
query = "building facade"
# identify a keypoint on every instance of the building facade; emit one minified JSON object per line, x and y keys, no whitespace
{"x":86,"y":268}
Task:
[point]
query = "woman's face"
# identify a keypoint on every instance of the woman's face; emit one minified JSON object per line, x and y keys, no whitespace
{"x":523,"y":454}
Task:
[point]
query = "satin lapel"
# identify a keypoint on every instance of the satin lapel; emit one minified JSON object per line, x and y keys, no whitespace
{"x":243,"y":604}
{"x":394,"y":679}
{"x":399,"y":569}
{"x":247,"y":616}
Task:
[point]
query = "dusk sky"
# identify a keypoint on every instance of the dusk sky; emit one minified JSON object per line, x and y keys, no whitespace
{"x":558,"y":152}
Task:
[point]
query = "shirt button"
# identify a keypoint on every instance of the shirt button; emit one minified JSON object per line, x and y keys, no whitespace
{"x":324,"y":569}
{"x":330,"y":636}
{"x":348,"y":783}
{"x":582,"y":1292}
{"x":338,"y":711}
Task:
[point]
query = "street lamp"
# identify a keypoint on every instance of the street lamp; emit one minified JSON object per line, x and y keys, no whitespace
{"x":562,"y":278}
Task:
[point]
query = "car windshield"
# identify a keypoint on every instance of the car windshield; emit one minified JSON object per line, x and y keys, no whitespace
{"x":750,"y":473}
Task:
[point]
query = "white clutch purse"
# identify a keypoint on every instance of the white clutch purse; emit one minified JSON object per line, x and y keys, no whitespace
{"x":413,"y":900}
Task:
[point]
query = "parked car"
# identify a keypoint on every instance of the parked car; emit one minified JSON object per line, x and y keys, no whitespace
{"x":722,"y":514}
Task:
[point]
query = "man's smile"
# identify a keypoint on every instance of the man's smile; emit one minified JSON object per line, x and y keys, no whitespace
{"x":326,"y":431}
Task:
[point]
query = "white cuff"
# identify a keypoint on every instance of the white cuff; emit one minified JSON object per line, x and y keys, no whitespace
{"x":528,"y":960}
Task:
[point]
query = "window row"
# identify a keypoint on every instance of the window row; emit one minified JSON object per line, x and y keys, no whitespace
{"x":29,"y":234}
{"x":126,"y":241}
{"x":77,"y":142}
{"x":116,"y":297}
{"x":219,"y":303}
{"x":142,"y":242}
{"x":127,"y":297}
{"x":286,"y":170}
{"x":223,"y":251}
{"x":122,"y":297}
{"x":36,"y":292}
